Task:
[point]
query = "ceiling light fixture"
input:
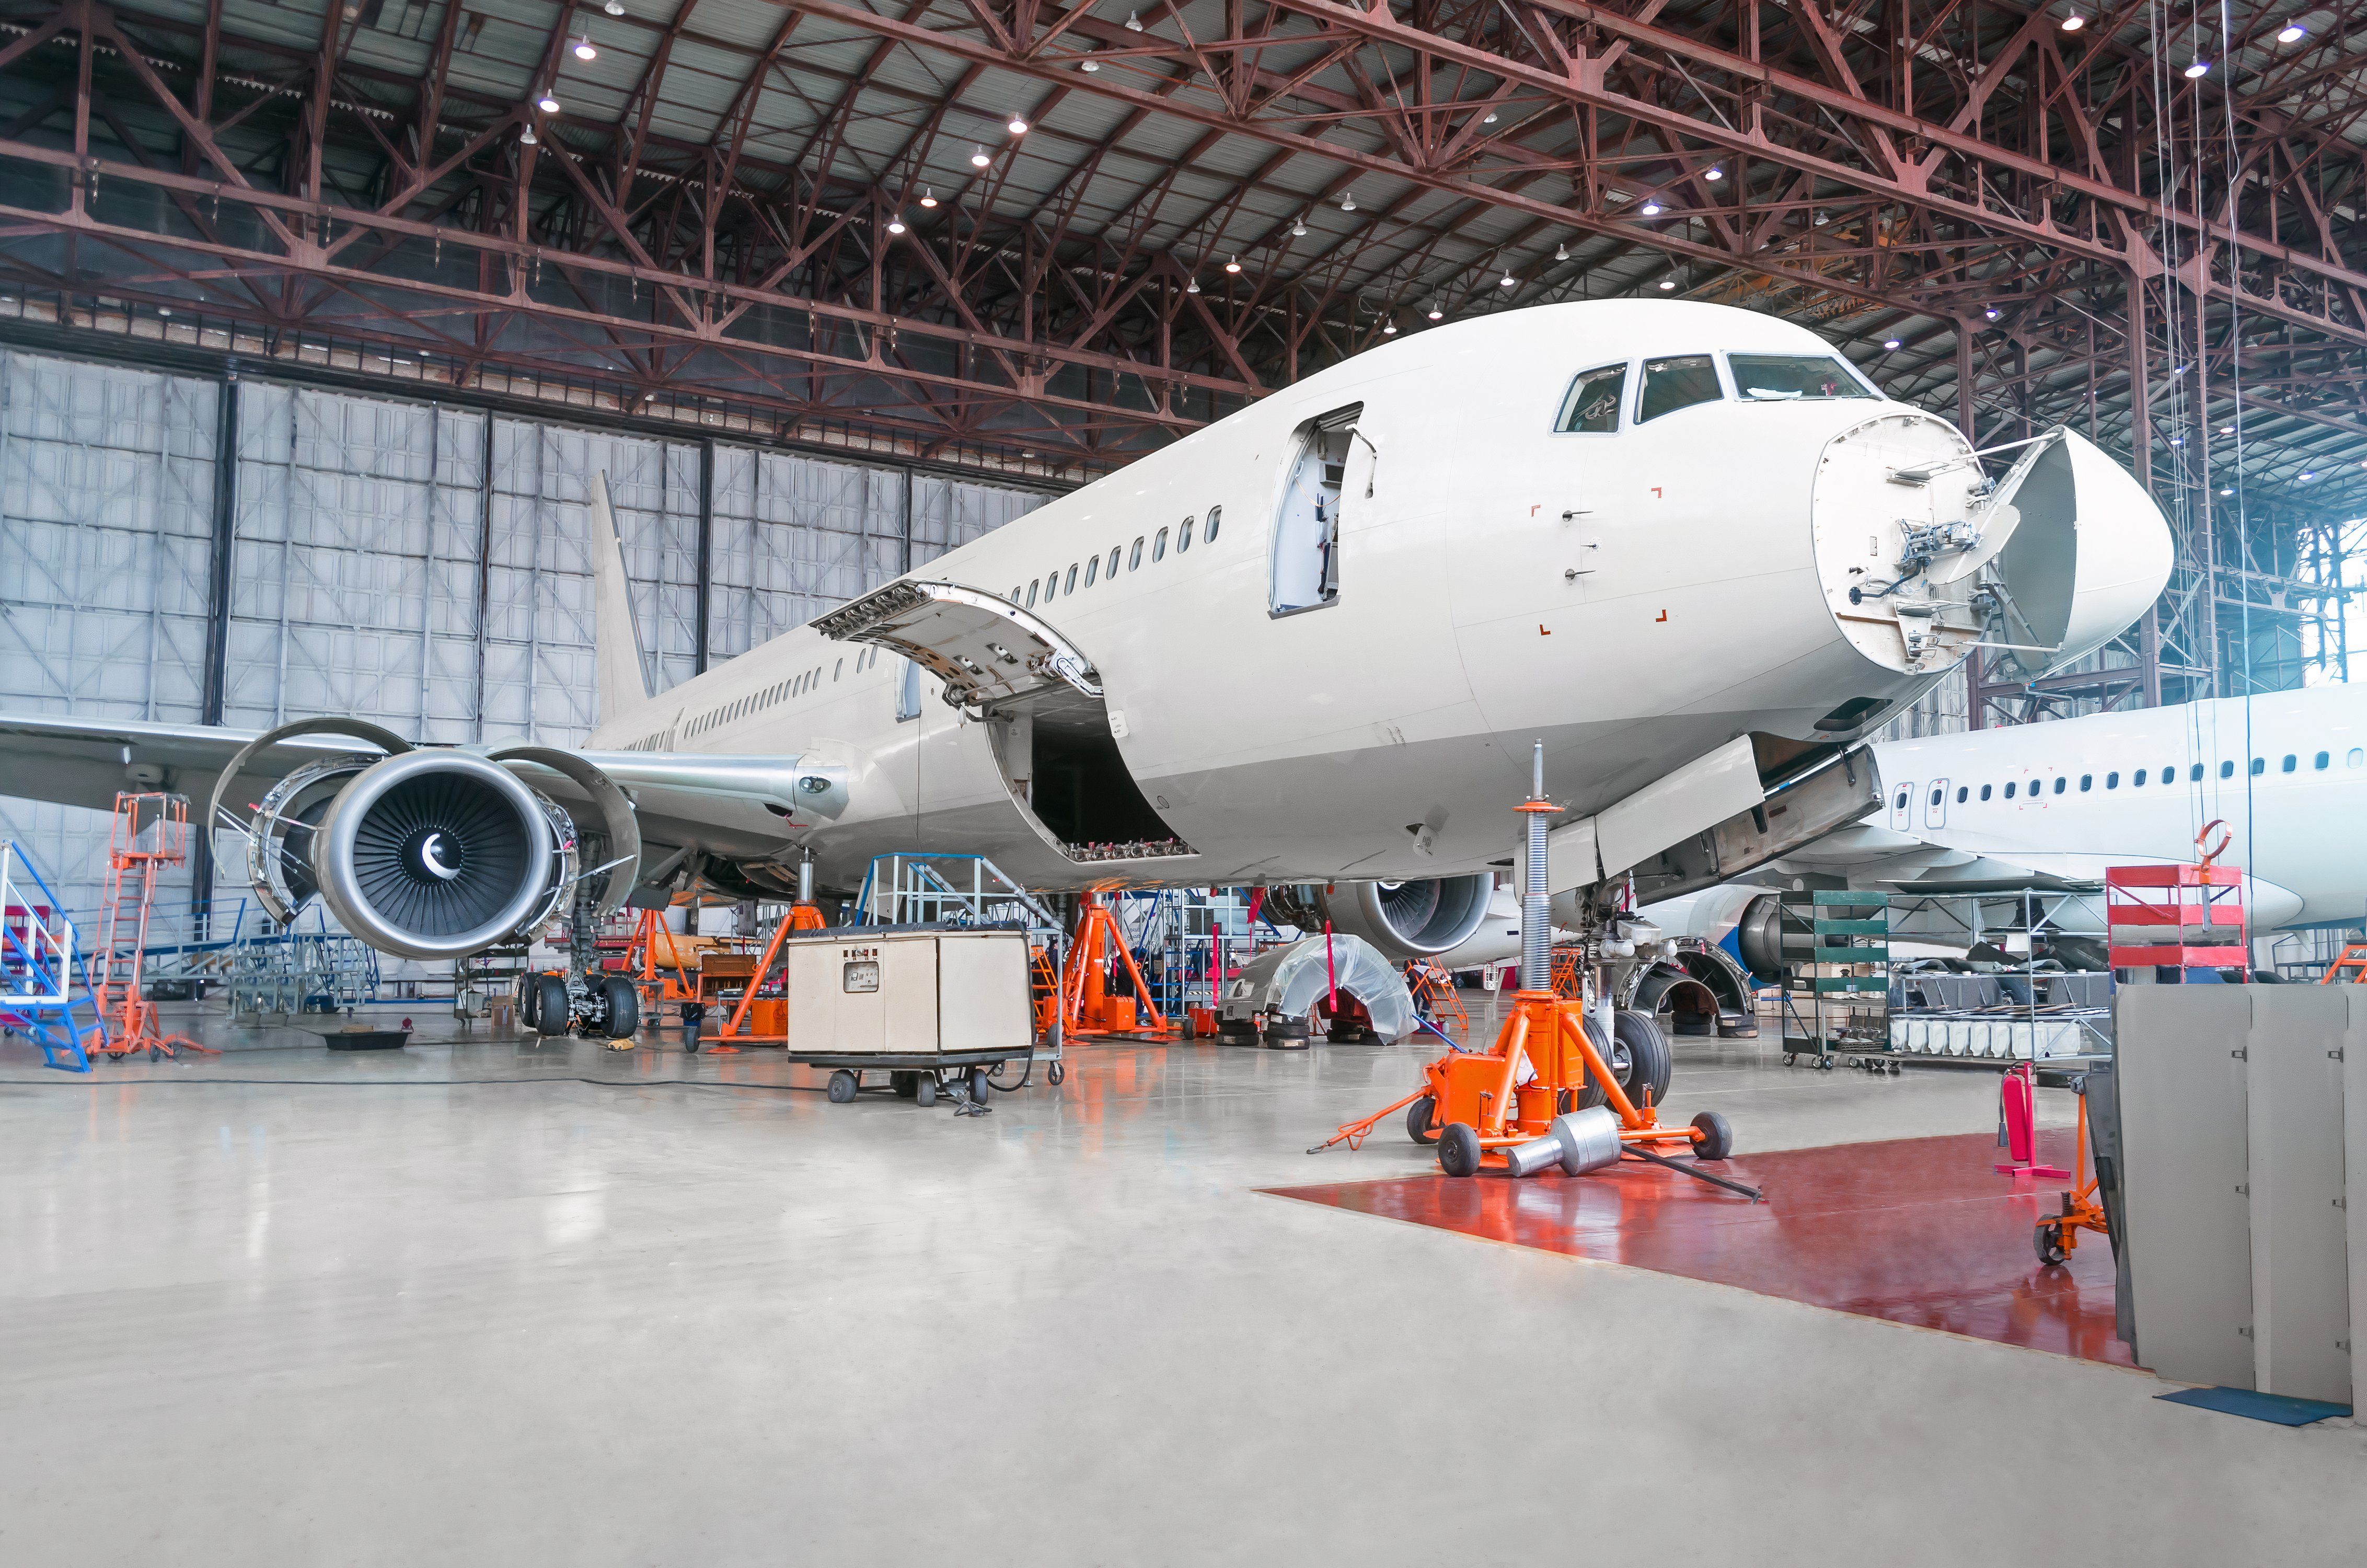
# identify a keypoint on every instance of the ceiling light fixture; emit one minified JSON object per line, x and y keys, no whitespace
{"x":1233,"y":264}
{"x":1668,"y":282}
{"x":1890,"y":342}
{"x":2178,"y":440}
{"x":1091,"y":64}
{"x":2074,"y":22}
{"x":896,"y":223}
{"x":2199,"y":68}
{"x":1193,"y":286}
{"x":615,"y":7}
{"x":2226,"y":430}
{"x":584,"y":50}
{"x":2229,"y":490}
{"x":1507,"y":281}
{"x":2306,"y":477}
{"x":547,"y":103}
{"x":165,"y":311}
{"x":1714,"y":173}
{"x":527,"y":138}
{"x":1133,"y":22}
{"x":1992,"y":313}
{"x":1388,"y":329}
{"x":979,"y":158}
{"x":1651,"y":208}
{"x":1298,"y":227}
{"x":1819,"y":219}
{"x":1347,"y":202}
{"x":1561,"y":253}
{"x":928,"y":196}
{"x":1017,"y":127}
{"x":1489,"y":118}
{"x":1436,"y":313}
{"x":2293,"y":32}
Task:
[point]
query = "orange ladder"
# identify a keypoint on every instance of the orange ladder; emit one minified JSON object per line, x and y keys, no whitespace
{"x":2350,"y":969}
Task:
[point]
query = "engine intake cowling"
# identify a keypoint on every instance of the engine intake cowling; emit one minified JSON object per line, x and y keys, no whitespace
{"x":1405,"y":920}
{"x":439,"y":853}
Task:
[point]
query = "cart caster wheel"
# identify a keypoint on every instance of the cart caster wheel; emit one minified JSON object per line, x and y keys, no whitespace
{"x":1421,"y":1124}
{"x":906,"y":1085}
{"x":1716,"y":1136}
{"x":1459,"y":1150}
{"x":979,"y":1088}
{"x":690,"y":1043}
{"x":2046,"y":1239}
{"x":925,"y":1090}
{"x":1058,"y":1072}
{"x":842,"y":1086}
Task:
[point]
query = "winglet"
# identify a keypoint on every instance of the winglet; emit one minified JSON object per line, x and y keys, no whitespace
{"x":617,"y":647}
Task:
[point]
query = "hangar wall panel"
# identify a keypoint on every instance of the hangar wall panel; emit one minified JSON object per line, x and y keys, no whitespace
{"x":107,"y":480}
{"x":420,"y":565}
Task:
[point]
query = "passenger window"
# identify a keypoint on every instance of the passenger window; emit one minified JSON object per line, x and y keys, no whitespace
{"x":1961,"y":794}
{"x":1070,"y":585}
{"x":837,"y":669}
{"x":2287,"y":766}
{"x":1112,"y":561}
{"x":1159,"y":547}
{"x":2111,"y":780}
{"x":1306,"y":568}
{"x":2357,"y":759}
{"x":1763,"y":377}
{"x":2087,"y":782}
{"x":1216,"y":516}
{"x":2195,"y":774}
{"x":2322,"y":760}
{"x":1092,"y":569}
{"x":2059,"y":782}
{"x":2170,"y":773}
{"x":1672,"y":384}
{"x":2009,"y":791}
{"x":1133,"y":561}
{"x":1985,"y":792}
{"x":2260,"y":765}
{"x":2226,"y":770}
{"x":908,"y":693}
{"x":1184,"y":537}
{"x":1051,"y":585}
{"x":2136,"y":780}
{"x":1031,"y":595}
{"x":1591,"y":405}
{"x":1935,"y":796}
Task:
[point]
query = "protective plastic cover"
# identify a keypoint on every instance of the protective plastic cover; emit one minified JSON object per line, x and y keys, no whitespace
{"x":1290,"y":979}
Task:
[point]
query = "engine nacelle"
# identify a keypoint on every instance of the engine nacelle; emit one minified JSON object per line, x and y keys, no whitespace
{"x":1403,"y":920}
{"x":438,"y":853}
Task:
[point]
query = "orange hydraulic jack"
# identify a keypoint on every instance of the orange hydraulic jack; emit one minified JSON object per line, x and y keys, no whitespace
{"x":1088,"y":1007}
{"x":1477,"y":1107}
{"x":2055,"y":1240}
{"x":151,"y":831}
{"x":650,"y":933}
{"x":802,"y":917}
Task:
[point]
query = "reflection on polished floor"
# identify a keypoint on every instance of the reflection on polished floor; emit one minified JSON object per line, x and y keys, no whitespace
{"x":457,"y":1304}
{"x":1915,"y":1230}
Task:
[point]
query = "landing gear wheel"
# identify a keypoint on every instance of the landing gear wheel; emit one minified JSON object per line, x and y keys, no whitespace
{"x":1058,"y":1072}
{"x":1421,"y":1124}
{"x":1717,"y":1139}
{"x":925,"y":1090}
{"x":550,"y":1017}
{"x":2046,"y":1241}
{"x":906,"y":1085}
{"x":843,"y":1084}
{"x":1459,"y":1150}
{"x":624,"y":1006}
{"x":529,"y":989}
{"x":1648,"y":1055}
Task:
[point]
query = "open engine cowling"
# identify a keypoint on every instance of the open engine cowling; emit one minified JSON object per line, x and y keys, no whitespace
{"x":1404,"y":920}
{"x":439,"y":853}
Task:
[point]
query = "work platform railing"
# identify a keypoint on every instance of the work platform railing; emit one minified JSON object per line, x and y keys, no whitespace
{"x":41,"y":964}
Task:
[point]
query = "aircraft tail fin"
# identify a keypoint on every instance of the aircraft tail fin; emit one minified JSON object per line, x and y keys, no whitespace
{"x":617,"y":647}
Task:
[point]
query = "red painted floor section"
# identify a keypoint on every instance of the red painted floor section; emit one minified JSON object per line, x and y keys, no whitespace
{"x":1918,"y":1231}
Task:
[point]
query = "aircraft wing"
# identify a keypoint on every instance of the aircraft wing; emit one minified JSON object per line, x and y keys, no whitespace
{"x":1882,"y":859}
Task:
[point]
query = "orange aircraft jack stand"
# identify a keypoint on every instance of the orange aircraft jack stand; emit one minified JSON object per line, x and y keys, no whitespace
{"x":1088,"y":1007}
{"x":151,"y":831}
{"x":802,"y":917}
{"x":2056,"y":1239}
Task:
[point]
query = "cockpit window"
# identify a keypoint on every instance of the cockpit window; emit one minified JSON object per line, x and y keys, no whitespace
{"x":1780,"y":378}
{"x":1672,"y":384}
{"x":1592,"y":406}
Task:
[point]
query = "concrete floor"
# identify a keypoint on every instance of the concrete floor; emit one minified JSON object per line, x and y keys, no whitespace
{"x":347,"y":1310}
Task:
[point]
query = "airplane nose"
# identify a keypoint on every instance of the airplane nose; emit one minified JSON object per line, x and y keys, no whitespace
{"x":1922,"y":556}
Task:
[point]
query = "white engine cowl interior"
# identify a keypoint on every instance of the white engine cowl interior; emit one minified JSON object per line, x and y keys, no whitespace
{"x":1402,"y":920}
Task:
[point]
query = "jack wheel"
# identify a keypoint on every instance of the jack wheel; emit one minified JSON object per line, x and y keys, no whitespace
{"x":2046,"y":1239}
{"x":1058,"y":1072}
{"x":842,"y":1086}
{"x":1716,"y":1136}
{"x":925,"y":1090}
{"x":1459,"y":1150}
{"x":690,"y":1041}
{"x":1421,"y":1124}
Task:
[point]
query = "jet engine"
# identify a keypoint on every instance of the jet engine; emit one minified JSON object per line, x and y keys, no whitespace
{"x":1404,"y":920}
{"x":424,"y":852}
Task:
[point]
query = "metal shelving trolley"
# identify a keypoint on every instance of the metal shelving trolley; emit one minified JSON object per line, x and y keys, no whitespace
{"x":1837,"y":996}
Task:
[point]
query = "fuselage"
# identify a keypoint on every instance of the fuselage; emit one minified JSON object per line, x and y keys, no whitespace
{"x":2285,"y":771}
{"x":1343,"y":673}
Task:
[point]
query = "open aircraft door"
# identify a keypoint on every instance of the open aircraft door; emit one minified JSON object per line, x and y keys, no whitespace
{"x":1041,"y":702}
{"x":990,"y":653}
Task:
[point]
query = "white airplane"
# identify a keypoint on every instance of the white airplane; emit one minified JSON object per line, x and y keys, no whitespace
{"x":1687,"y":546}
{"x":2049,"y":806}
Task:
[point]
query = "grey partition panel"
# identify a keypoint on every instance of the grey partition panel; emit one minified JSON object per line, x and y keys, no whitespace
{"x":2301,"y":1288}
{"x":2183,"y":1152}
